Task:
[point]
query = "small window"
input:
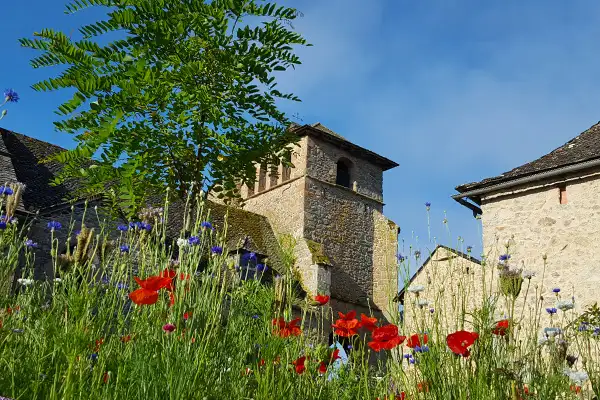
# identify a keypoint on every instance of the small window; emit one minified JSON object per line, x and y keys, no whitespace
{"x":343,"y":173}
{"x":562,"y":194}
{"x":273,"y":178}
{"x":262,"y":178}
{"x":286,"y":173}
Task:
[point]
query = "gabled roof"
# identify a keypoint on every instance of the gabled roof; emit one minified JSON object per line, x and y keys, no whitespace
{"x":584,"y":147}
{"x":20,"y":158}
{"x":457,"y":253}
{"x":320,"y":131}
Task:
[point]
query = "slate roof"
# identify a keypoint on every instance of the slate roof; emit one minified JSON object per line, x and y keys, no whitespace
{"x":20,"y":158}
{"x":245,"y":230}
{"x":321,"y":131}
{"x":584,"y":147}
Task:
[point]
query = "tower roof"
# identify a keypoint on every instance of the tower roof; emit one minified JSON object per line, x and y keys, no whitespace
{"x":320,"y":131}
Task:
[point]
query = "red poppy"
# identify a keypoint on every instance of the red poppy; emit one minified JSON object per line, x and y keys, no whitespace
{"x":575,"y":389}
{"x":261,"y":362}
{"x":385,"y":338}
{"x":284,"y":329}
{"x":126,"y":338}
{"x":415,"y":340}
{"x":322,"y":299}
{"x":423,"y":386}
{"x":322,"y":367}
{"x":97,"y":344}
{"x":335,"y":355}
{"x":347,"y":325}
{"x":105,"y":377}
{"x":460,"y":341}
{"x":148,"y":292}
{"x":367,"y":322}
{"x":184,"y":277}
{"x":171,"y":299}
{"x":299,"y":365}
{"x":187,"y":315}
{"x":501,"y":328}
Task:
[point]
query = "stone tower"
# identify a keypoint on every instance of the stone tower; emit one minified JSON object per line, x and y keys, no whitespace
{"x":331,"y":201}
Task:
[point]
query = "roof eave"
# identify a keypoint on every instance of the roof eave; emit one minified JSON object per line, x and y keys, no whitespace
{"x":383,"y":162}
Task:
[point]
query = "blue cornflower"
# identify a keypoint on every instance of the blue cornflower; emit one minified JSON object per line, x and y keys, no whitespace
{"x":401,"y":257}
{"x":2,"y":225}
{"x":11,"y":96}
{"x":412,"y":361}
{"x":93,"y":357}
{"x":249,"y":256}
{"x":427,"y":204}
{"x":583,"y":327}
{"x":124,"y":248}
{"x":30,"y":243}
{"x":597,"y":331}
{"x":105,"y":279}
{"x":469,"y":249}
{"x":255,"y":316}
{"x":123,"y":228}
{"x":261,"y":268}
{"x":216,"y":250}
{"x":146,"y":226}
{"x":122,"y":286}
{"x":206,"y":225}
{"x":194,"y":240}
{"x":432,"y":310}
{"x":5,"y":190}
{"x":407,"y":356}
{"x":54,"y":225}
{"x":551,"y":310}
{"x":421,"y":349}
{"x":76,"y":232}
{"x":556,"y":290}
{"x":504,"y":257}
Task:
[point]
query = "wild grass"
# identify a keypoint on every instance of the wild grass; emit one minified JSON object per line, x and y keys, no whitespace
{"x":80,"y":336}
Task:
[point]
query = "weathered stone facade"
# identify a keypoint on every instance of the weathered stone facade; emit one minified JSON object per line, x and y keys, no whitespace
{"x":454,"y":285}
{"x":356,"y":257}
{"x":536,"y":224}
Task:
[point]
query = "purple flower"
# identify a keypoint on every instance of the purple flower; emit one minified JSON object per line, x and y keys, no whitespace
{"x":431,"y":310}
{"x":206,"y":225}
{"x":551,"y":310}
{"x":169,"y":328}
{"x":261,"y":267}
{"x":124,"y":248}
{"x":216,"y":250}
{"x":123,"y":228}
{"x":556,"y":290}
{"x":5,"y":190}
{"x":11,"y":96}
{"x":504,"y":257}
{"x":30,"y":243}
{"x":194,"y":240}
{"x":54,"y":225}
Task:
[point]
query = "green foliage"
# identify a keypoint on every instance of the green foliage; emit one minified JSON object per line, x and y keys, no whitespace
{"x":185,"y":97}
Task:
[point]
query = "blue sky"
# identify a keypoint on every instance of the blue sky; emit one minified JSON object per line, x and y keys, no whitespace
{"x":454,"y":91}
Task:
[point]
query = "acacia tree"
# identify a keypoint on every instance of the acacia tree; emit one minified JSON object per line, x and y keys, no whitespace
{"x":184,"y":97}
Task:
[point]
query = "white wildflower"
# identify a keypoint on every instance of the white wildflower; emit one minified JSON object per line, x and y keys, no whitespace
{"x":528,"y":274}
{"x":423,"y":303}
{"x":565,"y":305}
{"x":57,"y":280}
{"x":551,"y":332}
{"x":25,"y":282}
{"x":182,"y":242}
{"x":576,"y":376}
{"x":416,"y":288}
{"x":543,"y":340}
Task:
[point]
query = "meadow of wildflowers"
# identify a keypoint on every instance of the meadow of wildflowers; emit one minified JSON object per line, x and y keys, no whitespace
{"x":124,"y":319}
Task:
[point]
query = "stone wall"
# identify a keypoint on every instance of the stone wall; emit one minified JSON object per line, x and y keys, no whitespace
{"x":536,"y":224}
{"x":343,"y":223}
{"x":322,"y":158}
{"x":385,"y":266}
{"x":454,"y":287}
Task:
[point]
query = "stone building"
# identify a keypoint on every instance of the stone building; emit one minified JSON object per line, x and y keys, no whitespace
{"x":330,"y":202}
{"x":548,"y":214}
{"x":444,"y":291}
